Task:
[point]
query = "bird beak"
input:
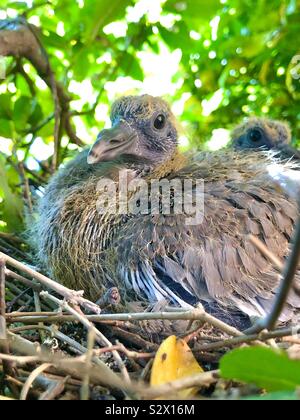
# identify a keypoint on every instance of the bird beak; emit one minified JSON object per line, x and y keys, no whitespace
{"x":113,"y":143}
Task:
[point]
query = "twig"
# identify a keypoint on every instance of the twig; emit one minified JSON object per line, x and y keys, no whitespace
{"x":246,"y":339}
{"x":23,"y":280}
{"x":18,"y":298}
{"x":121,"y":348}
{"x":11,"y":238}
{"x":37,"y":304}
{"x":7,"y":365}
{"x":100,"y":338}
{"x":270,"y":256}
{"x":57,"y":125}
{"x":134,"y":339}
{"x":54,"y":333}
{"x":266,"y":253}
{"x":27,"y":193}
{"x":20,"y":39}
{"x":85,"y":389}
{"x":70,"y":295}
{"x":193,"y":315}
{"x":101,"y":374}
{"x":203,"y":379}
{"x":20,"y":360}
{"x":32,"y":377}
{"x":54,"y":390}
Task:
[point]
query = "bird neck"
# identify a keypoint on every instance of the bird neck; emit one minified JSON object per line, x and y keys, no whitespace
{"x":173,"y":164}
{"x":159,"y":167}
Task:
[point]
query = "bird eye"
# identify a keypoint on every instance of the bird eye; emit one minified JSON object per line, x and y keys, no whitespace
{"x":160,"y":122}
{"x":255,"y":136}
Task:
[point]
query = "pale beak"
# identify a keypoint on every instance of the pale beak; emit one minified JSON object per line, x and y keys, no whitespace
{"x":113,"y":143}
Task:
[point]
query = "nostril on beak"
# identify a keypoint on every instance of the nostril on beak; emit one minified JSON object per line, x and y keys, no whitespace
{"x":115,"y":141}
{"x":92,"y":158}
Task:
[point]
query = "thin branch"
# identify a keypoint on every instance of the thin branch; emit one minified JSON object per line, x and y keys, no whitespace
{"x":70,"y":295}
{"x":11,"y":238}
{"x":85,"y":389}
{"x":202,"y":379}
{"x":101,"y":374}
{"x":31,"y":378}
{"x":26,"y":188}
{"x":23,"y":280}
{"x":266,"y":253}
{"x":20,"y":39}
{"x":100,"y":338}
{"x":7,"y":365}
{"x":193,"y":315}
{"x":246,"y":339}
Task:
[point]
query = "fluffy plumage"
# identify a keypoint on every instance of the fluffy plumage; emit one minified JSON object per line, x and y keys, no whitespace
{"x":159,"y":256}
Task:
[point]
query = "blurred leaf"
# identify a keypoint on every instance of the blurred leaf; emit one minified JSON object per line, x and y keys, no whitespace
{"x":131,"y":66}
{"x":252,"y":47}
{"x":97,"y":14}
{"x":51,"y":39}
{"x":6,"y":128}
{"x":174,"y":360}
{"x":36,"y":114}
{"x":178,"y":37}
{"x":18,"y":5}
{"x":22,"y":111}
{"x":263,"y":367}
{"x":196,"y":10}
{"x":5,"y":106}
{"x":12,"y":205}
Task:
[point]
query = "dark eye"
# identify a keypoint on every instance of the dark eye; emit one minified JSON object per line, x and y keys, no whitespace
{"x":255,"y":136}
{"x":160,"y":122}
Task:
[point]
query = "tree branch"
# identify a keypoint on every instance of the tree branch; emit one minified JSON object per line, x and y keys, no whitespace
{"x":20,"y":39}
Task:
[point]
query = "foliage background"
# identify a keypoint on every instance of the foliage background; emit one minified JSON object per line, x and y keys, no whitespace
{"x":216,"y":61}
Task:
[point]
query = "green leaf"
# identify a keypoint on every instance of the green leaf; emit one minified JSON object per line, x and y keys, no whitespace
{"x":12,"y":205}
{"x":5,"y":105}
{"x":22,"y":111}
{"x":18,"y":5}
{"x":6,"y":128}
{"x":178,"y":37}
{"x":36,"y":115}
{"x":131,"y":66}
{"x":97,"y":14}
{"x":201,"y":10}
{"x":263,"y":367}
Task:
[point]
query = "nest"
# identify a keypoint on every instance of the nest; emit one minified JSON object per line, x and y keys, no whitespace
{"x":52,"y":349}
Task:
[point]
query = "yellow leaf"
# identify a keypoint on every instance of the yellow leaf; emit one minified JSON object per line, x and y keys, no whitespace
{"x":174,"y":360}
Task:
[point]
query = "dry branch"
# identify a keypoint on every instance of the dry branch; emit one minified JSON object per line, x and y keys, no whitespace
{"x":20,"y":39}
{"x":70,"y":295}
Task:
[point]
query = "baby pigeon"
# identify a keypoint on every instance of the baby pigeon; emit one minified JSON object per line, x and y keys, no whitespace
{"x":265,"y":134}
{"x":159,"y":253}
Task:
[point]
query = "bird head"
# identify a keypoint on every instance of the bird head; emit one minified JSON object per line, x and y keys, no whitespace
{"x":260,"y":133}
{"x":143,"y":127}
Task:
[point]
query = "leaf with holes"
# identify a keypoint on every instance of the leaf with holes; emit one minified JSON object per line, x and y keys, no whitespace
{"x":174,"y":360}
